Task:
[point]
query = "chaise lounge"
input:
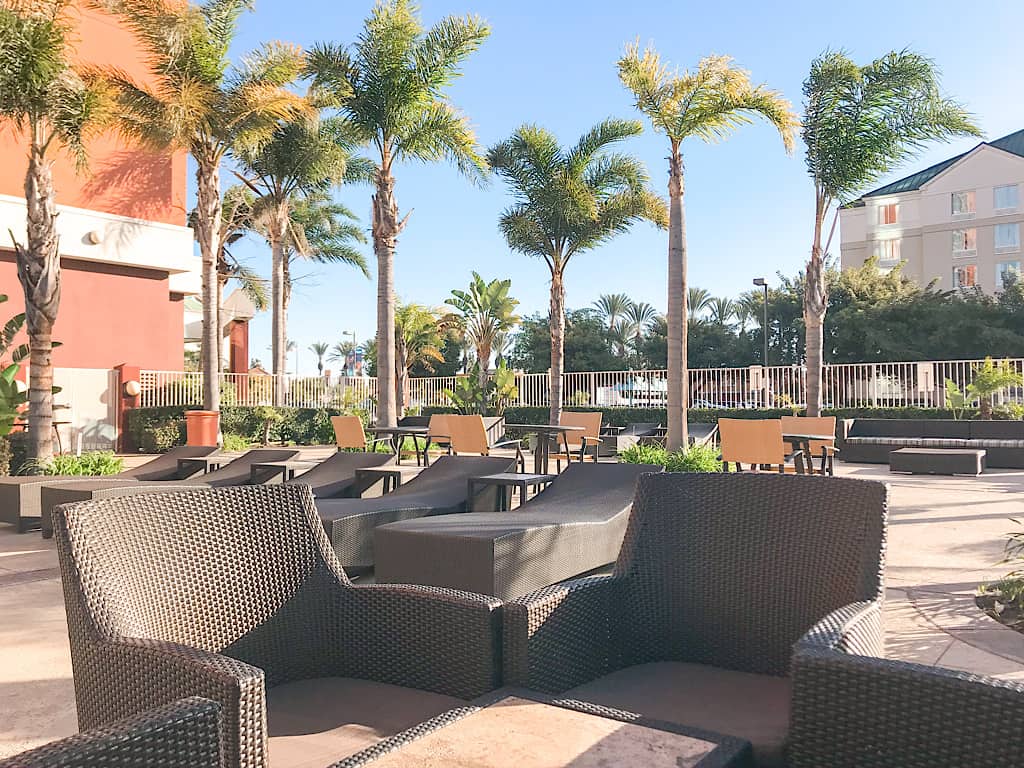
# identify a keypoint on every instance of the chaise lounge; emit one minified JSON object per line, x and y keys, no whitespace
{"x":572,"y":527}
{"x":870,"y":441}
{"x":439,"y":489}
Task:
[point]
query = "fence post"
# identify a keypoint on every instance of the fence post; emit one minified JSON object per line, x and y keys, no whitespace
{"x":125,"y":402}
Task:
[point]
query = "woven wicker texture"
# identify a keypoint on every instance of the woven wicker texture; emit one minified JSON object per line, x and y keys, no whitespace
{"x":335,"y":476}
{"x":726,"y":570}
{"x":182,"y":734}
{"x":218,"y":593}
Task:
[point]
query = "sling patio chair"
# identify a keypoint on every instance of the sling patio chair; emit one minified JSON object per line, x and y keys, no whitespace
{"x":234,"y":594}
{"x":20,"y":495}
{"x":820,"y":449}
{"x":719,"y":575}
{"x":237,"y":472}
{"x":437,"y":435}
{"x":468,"y":435}
{"x":758,"y":443}
{"x":571,"y":528}
{"x":181,"y":734}
{"x":440,"y":489}
{"x":350,"y":435}
{"x":576,"y":445}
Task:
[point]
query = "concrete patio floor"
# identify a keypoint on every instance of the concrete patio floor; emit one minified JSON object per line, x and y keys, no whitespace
{"x":945,"y":536}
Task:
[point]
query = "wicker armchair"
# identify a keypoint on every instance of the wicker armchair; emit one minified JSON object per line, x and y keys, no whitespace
{"x":852,"y":710}
{"x":182,"y":734}
{"x":234,"y":594}
{"x":718,"y":577}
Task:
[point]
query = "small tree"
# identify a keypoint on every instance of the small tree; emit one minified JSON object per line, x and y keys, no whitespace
{"x":991,"y":378}
{"x":485,"y":314}
{"x":319,"y":349}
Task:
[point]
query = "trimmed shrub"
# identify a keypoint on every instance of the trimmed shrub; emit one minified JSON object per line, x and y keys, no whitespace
{"x":90,"y":463}
{"x":698,"y":458}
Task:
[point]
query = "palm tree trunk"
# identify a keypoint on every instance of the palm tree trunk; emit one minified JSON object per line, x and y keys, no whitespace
{"x":483,"y":357}
{"x":678,"y":370}
{"x":279,"y":337}
{"x":815,"y":305}
{"x":39,"y":273}
{"x":401,"y":373}
{"x":208,"y":224}
{"x":556,"y":321}
{"x":386,"y":228}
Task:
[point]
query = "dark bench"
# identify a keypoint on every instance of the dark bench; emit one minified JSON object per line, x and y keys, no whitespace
{"x":870,"y":441}
{"x":938,"y":461}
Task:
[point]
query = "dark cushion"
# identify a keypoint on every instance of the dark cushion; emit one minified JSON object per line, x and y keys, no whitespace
{"x":748,"y":706}
{"x":996,"y":430}
{"x":993,"y":443}
{"x":315,"y":723}
{"x":945,"y":428}
{"x":898,"y":442}
{"x":944,"y":442}
{"x":887,"y":428}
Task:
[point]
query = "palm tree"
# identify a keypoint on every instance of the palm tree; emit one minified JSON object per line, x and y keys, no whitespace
{"x":639,"y":315}
{"x":708,"y":104}
{"x":613,"y":306}
{"x":722,"y":310}
{"x":418,"y":341}
{"x":390,"y":87}
{"x":44,"y":97}
{"x":620,"y":335}
{"x":485,"y":314}
{"x":567,"y":201}
{"x":341,"y":351}
{"x":859,"y":123}
{"x":319,"y":348}
{"x":697,"y":300}
{"x":303,"y":157}
{"x":199,"y":102}
{"x":743,"y":314}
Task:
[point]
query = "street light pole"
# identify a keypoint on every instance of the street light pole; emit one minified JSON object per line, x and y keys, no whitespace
{"x":762,"y":283}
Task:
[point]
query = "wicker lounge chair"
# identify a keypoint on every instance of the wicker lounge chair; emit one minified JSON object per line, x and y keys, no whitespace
{"x":335,"y":476}
{"x":441,"y":488}
{"x":718,"y":577}
{"x":182,"y":734}
{"x":573,"y":527}
{"x":854,"y":710}
{"x":236,"y":472}
{"x":234,"y":594}
{"x":20,"y":499}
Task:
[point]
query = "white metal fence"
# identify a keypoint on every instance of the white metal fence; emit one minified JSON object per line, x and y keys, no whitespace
{"x":847,"y":385}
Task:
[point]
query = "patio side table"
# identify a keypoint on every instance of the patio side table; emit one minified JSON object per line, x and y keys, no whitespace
{"x":506,"y":483}
{"x":287,"y":469}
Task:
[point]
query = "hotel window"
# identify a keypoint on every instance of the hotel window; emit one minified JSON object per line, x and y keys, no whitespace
{"x":887,"y":252}
{"x":965,"y":276}
{"x":887,"y":214}
{"x":963,"y":203}
{"x":1004,"y":268}
{"x":965,"y":241}
{"x":1005,"y":198}
{"x":1007,"y":238}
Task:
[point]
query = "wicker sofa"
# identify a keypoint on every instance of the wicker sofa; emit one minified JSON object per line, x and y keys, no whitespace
{"x":181,"y":734}
{"x":854,"y":710}
{"x":234,"y":594}
{"x":870,"y":441}
{"x":718,"y":577}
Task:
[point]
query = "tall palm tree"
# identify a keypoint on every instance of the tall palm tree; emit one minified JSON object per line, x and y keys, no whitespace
{"x":47,"y":100}
{"x":613,"y":306}
{"x":722,"y":310}
{"x":198,"y":101}
{"x":621,"y":336}
{"x":639,"y":315}
{"x":486,"y":313}
{"x":743,"y":314}
{"x":567,"y":201}
{"x":340,"y":351}
{"x":697,"y":300}
{"x":418,"y":340}
{"x":304,"y":156}
{"x":859,"y":123}
{"x":391,"y":88}
{"x":319,"y":348}
{"x":708,"y":104}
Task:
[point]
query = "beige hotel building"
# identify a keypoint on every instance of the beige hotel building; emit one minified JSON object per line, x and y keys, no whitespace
{"x":957,"y":223}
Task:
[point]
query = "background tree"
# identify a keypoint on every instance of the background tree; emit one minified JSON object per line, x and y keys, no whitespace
{"x":640,"y":315}
{"x":588,"y":346}
{"x":697,"y":301}
{"x":200,"y":102}
{"x":567,"y":201}
{"x":613,"y":306}
{"x":418,"y":338}
{"x":391,"y":88}
{"x":859,"y":123}
{"x":320,"y":349}
{"x":46,"y":100}
{"x":708,"y":104}
{"x":721,"y":310}
{"x":485,"y":313}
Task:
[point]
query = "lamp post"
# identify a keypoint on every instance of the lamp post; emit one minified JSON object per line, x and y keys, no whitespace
{"x":760,"y":282}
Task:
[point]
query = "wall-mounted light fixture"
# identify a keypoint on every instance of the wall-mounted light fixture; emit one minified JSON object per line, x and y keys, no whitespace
{"x":95,"y":237}
{"x":132,"y":388}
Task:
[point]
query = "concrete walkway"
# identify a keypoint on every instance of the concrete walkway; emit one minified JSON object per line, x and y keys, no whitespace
{"x":945,"y":536}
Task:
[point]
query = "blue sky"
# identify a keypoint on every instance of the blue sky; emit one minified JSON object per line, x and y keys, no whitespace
{"x":552,"y":62}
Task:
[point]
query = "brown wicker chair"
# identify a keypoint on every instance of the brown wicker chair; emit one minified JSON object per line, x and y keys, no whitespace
{"x":182,"y":734}
{"x":234,"y":594}
{"x":854,"y":710}
{"x":718,"y":577}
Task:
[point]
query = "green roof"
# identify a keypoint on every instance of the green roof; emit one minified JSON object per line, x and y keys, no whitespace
{"x":1013,"y":143}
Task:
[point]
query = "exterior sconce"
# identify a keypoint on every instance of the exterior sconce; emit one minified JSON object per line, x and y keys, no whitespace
{"x":132,"y":388}
{"x":95,"y":237}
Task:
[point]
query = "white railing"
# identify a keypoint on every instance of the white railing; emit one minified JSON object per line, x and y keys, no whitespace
{"x":846,"y":385}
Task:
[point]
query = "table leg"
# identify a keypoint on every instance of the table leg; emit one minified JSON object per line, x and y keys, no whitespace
{"x":540,"y":455}
{"x":396,"y":446}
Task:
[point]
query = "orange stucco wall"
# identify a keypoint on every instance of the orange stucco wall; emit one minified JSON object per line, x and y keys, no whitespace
{"x":121,"y":179}
{"x":108,"y":315}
